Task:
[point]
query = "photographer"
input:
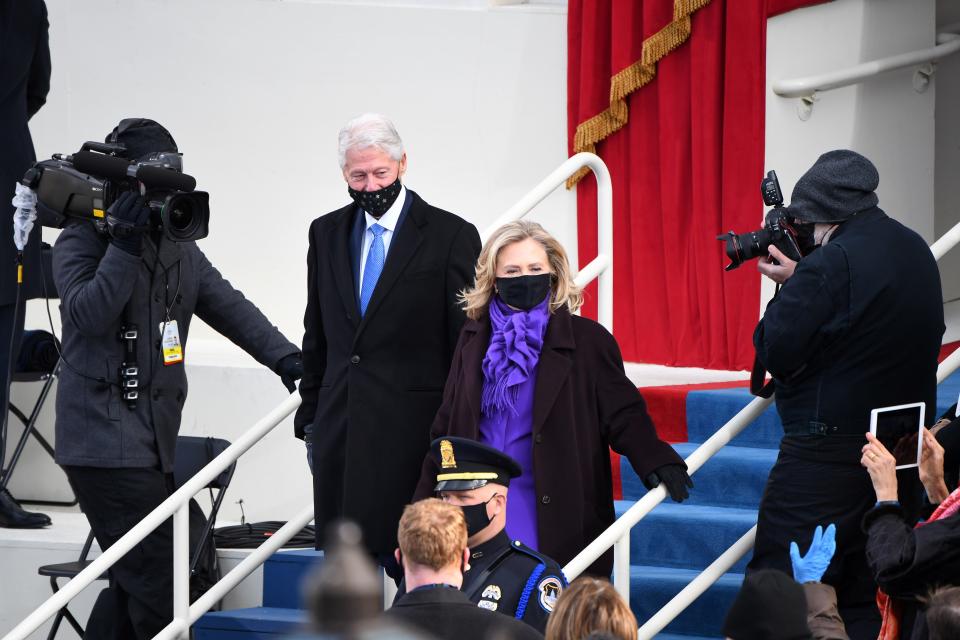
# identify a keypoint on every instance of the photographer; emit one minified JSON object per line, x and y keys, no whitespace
{"x":117,"y":451}
{"x":856,"y":325}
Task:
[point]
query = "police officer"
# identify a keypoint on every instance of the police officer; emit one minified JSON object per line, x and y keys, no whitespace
{"x":503,"y":575}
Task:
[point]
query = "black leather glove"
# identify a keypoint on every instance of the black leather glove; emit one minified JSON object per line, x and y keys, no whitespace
{"x":290,"y":369}
{"x":127,"y":219}
{"x":675,"y":479}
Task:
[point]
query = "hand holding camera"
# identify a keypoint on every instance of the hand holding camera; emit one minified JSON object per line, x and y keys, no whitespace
{"x":127,"y":219}
{"x":777,"y":266}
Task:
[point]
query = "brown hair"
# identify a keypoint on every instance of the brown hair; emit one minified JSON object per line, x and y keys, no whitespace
{"x":564,"y":291}
{"x":943,"y":613}
{"x":432,"y":533}
{"x":590,"y":605}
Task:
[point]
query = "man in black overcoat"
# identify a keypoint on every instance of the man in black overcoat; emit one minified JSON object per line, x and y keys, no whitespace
{"x":24,"y":83}
{"x":856,"y":326}
{"x":381,"y":325}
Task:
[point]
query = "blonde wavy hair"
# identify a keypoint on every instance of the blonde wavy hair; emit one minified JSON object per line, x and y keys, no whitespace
{"x":591,"y":606}
{"x":563,"y":290}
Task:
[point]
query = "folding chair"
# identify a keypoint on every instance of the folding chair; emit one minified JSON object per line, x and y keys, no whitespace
{"x":192,"y":454}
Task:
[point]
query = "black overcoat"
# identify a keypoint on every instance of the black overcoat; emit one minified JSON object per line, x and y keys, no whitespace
{"x":583,"y":405}
{"x":445,"y":612}
{"x":372,"y":385}
{"x":24,"y":83}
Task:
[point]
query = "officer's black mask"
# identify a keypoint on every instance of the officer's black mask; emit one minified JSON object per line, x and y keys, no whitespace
{"x":476,"y":516}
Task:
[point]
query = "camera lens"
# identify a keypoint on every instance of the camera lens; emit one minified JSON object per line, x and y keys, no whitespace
{"x":186,"y":216}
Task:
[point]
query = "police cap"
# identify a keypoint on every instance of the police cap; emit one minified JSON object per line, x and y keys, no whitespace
{"x":467,"y":464}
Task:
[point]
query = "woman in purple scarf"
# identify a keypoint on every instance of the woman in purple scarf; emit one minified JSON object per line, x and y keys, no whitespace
{"x":547,"y":388}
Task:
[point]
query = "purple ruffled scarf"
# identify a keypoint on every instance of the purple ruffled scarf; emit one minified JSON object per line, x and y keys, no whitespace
{"x":515,"y":344}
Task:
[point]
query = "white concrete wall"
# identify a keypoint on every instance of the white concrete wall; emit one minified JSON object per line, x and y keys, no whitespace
{"x":947,"y":149}
{"x":254,"y":91}
{"x":883,"y":118}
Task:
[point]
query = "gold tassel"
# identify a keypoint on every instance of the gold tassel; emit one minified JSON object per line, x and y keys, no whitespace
{"x":626,"y":81}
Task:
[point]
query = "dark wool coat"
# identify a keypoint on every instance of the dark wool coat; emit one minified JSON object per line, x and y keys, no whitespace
{"x":908,"y":561}
{"x":372,"y":385}
{"x":445,"y":612}
{"x":97,"y":282}
{"x":24,"y":83}
{"x":583,"y":405}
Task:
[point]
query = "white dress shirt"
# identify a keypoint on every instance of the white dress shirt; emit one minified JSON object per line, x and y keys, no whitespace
{"x":389,"y":222}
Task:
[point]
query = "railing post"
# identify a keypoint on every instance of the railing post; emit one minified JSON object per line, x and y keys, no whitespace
{"x":181,"y":565}
{"x":389,"y":591}
{"x":621,"y":567}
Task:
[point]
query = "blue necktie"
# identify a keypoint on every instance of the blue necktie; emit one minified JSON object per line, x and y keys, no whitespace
{"x":373,"y":268}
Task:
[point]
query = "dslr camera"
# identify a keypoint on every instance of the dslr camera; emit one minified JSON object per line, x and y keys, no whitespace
{"x":778,"y":230}
{"x":85,"y":184}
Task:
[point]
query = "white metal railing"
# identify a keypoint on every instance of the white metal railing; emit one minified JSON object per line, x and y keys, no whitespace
{"x":947,"y":44}
{"x":807,"y":88}
{"x":185,"y":614}
{"x":618,"y":533}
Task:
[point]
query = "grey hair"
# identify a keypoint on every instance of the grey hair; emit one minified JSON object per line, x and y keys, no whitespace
{"x":369,"y":130}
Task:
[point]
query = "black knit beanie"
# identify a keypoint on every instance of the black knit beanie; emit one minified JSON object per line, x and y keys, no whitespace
{"x":840,"y":184}
{"x":770,"y":606}
{"x":141,"y":137}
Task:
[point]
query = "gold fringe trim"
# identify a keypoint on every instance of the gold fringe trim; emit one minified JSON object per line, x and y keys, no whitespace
{"x":624,"y":82}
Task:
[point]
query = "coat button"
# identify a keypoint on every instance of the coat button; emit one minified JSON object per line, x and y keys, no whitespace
{"x":545,"y":499}
{"x":355,"y":359}
{"x":538,"y":438}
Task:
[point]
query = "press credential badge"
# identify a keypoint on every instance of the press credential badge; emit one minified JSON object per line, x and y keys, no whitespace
{"x":172,"y":349}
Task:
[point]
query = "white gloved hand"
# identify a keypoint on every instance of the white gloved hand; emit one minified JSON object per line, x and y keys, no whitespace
{"x":25,"y":200}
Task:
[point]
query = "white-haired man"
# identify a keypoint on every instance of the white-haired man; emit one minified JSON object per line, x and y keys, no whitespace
{"x":381,"y":325}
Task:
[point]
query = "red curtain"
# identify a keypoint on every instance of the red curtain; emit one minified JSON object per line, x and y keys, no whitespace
{"x":686,"y":167}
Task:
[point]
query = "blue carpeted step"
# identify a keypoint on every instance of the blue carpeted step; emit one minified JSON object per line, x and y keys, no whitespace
{"x":687,"y":536}
{"x":283,"y":576}
{"x":734,"y":477}
{"x":707,"y":411}
{"x":653,"y":587}
{"x":250,"y":624}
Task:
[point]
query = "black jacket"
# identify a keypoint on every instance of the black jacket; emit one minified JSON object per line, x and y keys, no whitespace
{"x":908,"y":562}
{"x":858,"y":326}
{"x":372,"y":385}
{"x":24,"y":83}
{"x":445,"y":612}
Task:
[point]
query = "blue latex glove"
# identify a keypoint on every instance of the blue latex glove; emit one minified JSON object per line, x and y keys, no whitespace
{"x":811,"y":567}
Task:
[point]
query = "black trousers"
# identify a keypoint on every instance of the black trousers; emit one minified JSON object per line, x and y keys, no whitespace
{"x":11,"y":328}
{"x":138,"y":602}
{"x":803,"y":492}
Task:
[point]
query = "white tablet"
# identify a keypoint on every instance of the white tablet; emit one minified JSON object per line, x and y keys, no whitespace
{"x":900,"y":429}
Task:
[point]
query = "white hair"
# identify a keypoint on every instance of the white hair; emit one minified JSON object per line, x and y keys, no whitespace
{"x":369,"y":130}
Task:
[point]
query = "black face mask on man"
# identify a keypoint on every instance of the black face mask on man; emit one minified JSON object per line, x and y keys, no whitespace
{"x":524,"y":292}
{"x":806,"y":241}
{"x":476,"y":516}
{"x":378,"y":202}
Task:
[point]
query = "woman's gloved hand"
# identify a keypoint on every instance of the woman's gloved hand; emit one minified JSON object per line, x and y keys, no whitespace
{"x":675,"y":479}
{"x":290,"y":369}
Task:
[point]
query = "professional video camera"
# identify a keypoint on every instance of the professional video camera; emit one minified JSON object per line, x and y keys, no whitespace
{"x":778,"y":230}
{"x":85,"y":184}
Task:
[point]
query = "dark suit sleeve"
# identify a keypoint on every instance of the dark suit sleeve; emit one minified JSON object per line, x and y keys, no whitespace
{"x":461,"y":271}
{"x":95,"y":280}
{"x":905,"y":561}
{"x":314,"y":346}
{"x":38,"y":85}
{"x":624,"y":421}
{"x":441,"y":423}
{"x":229,"y":313}
{"x":792,"y":325}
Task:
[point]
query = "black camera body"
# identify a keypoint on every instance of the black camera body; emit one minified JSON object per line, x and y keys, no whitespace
{"x":777,"y":230}
{"x":84,"y":185}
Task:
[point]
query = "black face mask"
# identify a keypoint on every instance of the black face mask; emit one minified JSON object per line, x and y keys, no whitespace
{"x":524,"y":292}
{"x":476,"y":517}
{"x":805,"y":239}
{"x":378,"y":202}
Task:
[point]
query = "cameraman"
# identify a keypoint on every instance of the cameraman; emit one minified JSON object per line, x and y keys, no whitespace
{"x":856,"y":325}
{"x":119,"y":455}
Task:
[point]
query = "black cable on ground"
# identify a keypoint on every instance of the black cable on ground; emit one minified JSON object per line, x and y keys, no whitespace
{"x":252,"y":535}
